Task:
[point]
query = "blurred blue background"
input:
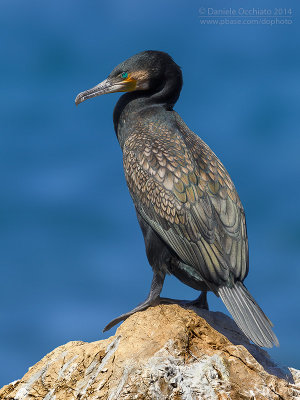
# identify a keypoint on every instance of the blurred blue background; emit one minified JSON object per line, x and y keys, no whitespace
{"x":72,"y":255}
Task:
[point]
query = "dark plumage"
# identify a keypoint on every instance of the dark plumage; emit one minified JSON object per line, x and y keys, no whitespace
{"x":190,"y":214}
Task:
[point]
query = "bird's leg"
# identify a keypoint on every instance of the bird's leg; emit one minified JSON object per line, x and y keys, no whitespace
{"x":201,"y":301}
{"x":152,"y":299}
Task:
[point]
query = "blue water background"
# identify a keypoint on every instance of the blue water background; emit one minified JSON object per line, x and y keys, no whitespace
{"x":72,"y":255}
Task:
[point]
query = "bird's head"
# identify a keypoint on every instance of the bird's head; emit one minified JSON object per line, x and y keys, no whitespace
{"x":145,"y":71}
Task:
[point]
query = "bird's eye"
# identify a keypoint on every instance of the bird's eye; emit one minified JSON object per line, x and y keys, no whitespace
{"x":124,"y":75}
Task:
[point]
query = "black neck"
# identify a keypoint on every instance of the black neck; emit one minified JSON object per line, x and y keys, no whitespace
{"x":164,"y":94}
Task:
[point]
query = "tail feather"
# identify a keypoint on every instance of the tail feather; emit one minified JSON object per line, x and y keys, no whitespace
{"x":248,"y":315}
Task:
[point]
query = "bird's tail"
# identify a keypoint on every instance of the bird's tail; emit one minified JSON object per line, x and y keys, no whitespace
{"x":248,"y":315}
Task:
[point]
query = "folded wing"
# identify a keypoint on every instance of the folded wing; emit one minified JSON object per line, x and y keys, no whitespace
{"x":184,"y":192}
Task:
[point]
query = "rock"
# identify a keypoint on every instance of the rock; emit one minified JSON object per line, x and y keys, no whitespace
{"x":164,"y":353}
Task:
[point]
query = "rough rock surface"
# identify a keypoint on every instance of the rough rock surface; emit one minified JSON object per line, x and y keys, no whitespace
{"x":164,"y":353}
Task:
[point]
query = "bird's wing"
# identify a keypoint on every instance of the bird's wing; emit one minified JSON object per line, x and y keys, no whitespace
{"x":183,"y":191}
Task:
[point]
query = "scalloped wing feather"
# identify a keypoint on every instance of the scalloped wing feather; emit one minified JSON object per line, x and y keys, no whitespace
{"x":183,"y":191}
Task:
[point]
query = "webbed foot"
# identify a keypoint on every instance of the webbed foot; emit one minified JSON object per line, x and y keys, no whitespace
{"x":200,"y":302}
{"x":152,"y":300}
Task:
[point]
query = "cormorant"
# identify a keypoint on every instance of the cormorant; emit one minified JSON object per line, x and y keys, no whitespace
{"x":188,"y":209}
